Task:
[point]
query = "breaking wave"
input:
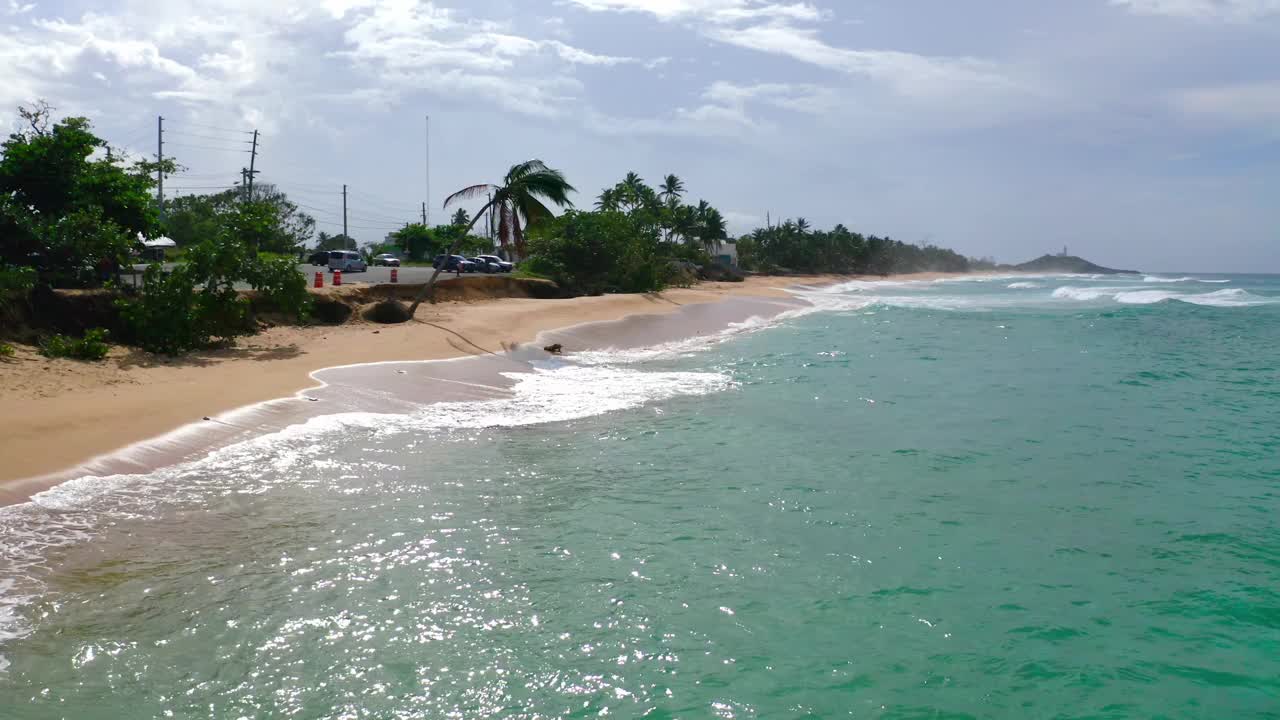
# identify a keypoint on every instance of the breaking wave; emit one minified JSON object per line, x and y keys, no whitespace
{"x":1234,"y":297}
{"x":1158,"y":279}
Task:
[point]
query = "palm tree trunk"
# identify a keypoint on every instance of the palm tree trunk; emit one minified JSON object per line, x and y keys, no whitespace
{"x":504,"y":231}
{"x":517,"y":234}
{"x":428,"y":290}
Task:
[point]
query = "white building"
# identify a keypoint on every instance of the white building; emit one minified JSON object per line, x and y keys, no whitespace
{"x":727,"y":253}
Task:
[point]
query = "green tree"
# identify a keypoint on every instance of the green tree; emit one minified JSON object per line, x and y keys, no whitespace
{"x":461,"y":218}
{"x":65,"y":209}
{"x":598,"y":252}
{"x":417,"y":241}
{"x":282,"y":227}
{"x":325,"y":241}
{"x":198,"y":303}
{"x":520,"y":196}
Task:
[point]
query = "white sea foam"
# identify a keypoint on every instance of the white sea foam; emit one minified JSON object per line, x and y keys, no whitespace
{"x":1165,"y":280}
{"x":1025,"y":286}
{"x":1234,"y":297}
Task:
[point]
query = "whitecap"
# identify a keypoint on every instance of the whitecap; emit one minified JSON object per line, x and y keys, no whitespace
{"x":1234,"y":297}
{"x":1025,"y":286}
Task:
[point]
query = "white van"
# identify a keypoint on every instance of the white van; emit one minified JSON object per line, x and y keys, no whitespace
{"x":347,"y":261}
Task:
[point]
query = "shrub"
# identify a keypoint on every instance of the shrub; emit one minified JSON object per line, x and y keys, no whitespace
{"x":6,"y":350}
{"x":597,"y":252}
{"x":93,"y":346}
{"x":198,"y":304}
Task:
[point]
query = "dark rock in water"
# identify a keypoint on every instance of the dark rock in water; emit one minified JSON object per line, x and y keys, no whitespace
{"x":1069,"y":264}
{"x":554,"y":349}
{"x":387,"y":312}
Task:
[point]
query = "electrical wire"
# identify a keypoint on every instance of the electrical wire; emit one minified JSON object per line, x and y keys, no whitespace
{"x":215,"y":127}
{"x":206,"y":137}
{"x":206,"y":147}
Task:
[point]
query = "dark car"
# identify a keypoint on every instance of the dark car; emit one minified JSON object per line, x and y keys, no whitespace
{"x":502,"y":265}
{"x":319,"y":258}
{"x":484,"y":266}
{"x":453,"y":263}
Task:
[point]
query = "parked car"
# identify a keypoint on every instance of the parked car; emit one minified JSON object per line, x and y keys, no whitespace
{"x":386,"y":259}
{"x":453,"y":263}
{"x":319,"y":258}
{"x":484,"y":266}
{"x":503,"y":265}
{"x":347,"y":261}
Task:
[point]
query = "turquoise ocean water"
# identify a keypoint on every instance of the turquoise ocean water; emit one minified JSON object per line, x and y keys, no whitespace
{"x":1013,"y":497}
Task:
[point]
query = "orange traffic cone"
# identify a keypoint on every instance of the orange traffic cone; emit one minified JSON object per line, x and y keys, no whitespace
{"x":337,"y":278}
{"x":319,"y":280}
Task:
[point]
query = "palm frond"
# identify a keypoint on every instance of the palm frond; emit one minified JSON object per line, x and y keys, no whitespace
{"x":550,"y":184}
{"x":532,"y":209}
{"x":469,"y":193}
{"x":517,"y":173}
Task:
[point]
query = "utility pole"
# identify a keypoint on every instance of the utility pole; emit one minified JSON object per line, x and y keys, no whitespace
{"x":424,"y":213}
{"x":344,"y":215}
{"x":160,"y":160}
{"x":253,"y":157}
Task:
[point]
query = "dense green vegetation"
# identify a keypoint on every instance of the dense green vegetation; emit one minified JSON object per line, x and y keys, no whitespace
{"x":197,"y":303}
{"x":278,"y":225}
{"x":72,"y":212}
{"x":70,"y":208}
{"x":793,"y":246}
{"x":637,"y":240}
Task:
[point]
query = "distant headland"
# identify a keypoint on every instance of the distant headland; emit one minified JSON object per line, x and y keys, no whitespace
{"x":1069,"y":264}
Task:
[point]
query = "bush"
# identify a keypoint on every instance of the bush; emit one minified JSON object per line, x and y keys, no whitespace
{"x":93,"y":346}
{"x":6,"y":350}
{"x":198,"y":304}
{"x":597,"y":252}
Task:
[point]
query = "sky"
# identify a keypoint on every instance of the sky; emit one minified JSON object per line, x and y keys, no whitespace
{"x":1137,"y":133}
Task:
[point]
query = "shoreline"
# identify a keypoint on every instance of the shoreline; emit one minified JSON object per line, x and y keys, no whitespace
{"x":135,"y":413}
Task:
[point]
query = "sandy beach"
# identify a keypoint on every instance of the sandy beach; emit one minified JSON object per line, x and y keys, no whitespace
{"x":63,"y":414}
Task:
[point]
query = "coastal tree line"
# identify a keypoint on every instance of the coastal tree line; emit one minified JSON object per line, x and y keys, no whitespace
{"x":74,"y":211}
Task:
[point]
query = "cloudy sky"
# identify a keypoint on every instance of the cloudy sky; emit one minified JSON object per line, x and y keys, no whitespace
{"x":1140,"y":133}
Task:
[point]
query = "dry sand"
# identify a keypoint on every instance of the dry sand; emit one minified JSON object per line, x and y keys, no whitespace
{"x":60,"y":414}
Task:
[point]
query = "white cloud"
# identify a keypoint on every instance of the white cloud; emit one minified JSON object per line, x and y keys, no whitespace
{"x":788,"y":30}
{"x":719,"y":11}
{"x":907,"y":74}
{"x":1216,"y":10}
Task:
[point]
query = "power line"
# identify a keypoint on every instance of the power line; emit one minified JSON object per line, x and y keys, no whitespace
{"x":215,"y":127}
{"x":207,"y":137}
{"x":206,"y":147}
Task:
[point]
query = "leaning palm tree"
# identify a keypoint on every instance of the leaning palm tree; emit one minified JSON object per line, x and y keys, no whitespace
{"x":517,"y":199}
